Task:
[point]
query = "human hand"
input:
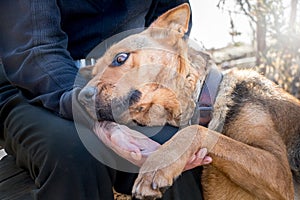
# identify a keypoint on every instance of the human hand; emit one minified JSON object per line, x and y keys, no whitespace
{"x":198,"y":159}
{"x":127,"y":143}
{"x":136,"y":147}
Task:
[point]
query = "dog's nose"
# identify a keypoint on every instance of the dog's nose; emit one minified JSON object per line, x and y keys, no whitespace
{"x":87,"y":95}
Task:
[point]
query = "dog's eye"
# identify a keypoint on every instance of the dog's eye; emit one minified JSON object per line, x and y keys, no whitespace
{"x":120,"y":59}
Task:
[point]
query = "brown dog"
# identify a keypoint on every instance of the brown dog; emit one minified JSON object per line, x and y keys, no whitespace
{"x":155,"y":77}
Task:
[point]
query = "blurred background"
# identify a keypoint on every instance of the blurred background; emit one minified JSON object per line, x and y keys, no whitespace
{"x":259,"y":34}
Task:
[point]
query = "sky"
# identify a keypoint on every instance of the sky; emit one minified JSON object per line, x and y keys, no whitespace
{"x":211,"y":26}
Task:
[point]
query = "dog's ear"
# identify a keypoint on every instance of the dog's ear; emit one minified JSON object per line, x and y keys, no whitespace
{"x":175,"y":19}
{"x":171,"y":28}
{"x":86,"y":72}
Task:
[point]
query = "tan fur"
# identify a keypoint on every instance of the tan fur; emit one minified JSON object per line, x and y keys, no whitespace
{"x":253,"y":137}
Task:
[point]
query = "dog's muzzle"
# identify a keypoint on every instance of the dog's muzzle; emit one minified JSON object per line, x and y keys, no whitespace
{"x":102,"y":106}
{"x":87,"y":96}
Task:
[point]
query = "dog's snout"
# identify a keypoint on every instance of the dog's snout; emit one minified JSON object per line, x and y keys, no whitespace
{"x":87,"y":95}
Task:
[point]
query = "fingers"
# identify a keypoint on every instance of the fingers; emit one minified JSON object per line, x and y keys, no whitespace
{"x":206,"y":160}
{"x":201,"y":153}
{"x":198,"y":159}
{"x":137,"y":156}
{"x":202,"y":156}
{"x":127,"y":143}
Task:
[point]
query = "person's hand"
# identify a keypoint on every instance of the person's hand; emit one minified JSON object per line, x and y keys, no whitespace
{"x":127,"y":143}
{"x":136,"y":147}
{"x":198,"y":159}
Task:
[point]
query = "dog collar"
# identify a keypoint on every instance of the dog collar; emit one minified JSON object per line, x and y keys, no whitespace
{"x":204,"y":106}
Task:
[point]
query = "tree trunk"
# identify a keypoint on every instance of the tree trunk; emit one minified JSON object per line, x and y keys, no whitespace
{"x":261,"y":30}
{"x":293,"y":14}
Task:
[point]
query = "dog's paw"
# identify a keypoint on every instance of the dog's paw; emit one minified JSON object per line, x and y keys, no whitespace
{"x":151,"y":185}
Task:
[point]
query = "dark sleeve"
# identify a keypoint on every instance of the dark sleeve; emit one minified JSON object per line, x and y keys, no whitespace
{"x":34,"y":52}
{"x":158,"y":7}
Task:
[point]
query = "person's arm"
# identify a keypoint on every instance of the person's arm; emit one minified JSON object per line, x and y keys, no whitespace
{"x":34,"y":52}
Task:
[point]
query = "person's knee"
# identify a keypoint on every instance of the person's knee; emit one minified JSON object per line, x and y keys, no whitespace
{"x":64,"y":146}
{"x":65,"y":155}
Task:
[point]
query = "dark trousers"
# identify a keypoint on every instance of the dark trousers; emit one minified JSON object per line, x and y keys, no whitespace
{"x":50,"y":148}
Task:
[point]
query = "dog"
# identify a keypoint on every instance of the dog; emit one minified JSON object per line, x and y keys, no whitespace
{"x":249,"y":126}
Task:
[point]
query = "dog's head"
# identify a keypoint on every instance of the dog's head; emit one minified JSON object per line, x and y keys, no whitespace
{"x":147,"y":78}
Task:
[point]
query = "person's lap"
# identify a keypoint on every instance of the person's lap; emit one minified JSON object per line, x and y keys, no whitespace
{"x":50,"y":148}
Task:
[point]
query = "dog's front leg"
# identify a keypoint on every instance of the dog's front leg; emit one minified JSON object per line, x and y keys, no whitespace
{"x":168,"y":162}
{"x":255,"y":170}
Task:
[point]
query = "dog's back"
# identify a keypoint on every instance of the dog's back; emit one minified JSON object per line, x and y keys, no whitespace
{"x":250,"y":88}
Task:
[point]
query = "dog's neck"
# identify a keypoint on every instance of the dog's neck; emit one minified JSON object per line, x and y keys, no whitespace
{"x":208,"y":93}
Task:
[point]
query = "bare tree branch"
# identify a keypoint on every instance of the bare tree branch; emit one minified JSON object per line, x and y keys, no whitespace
{"x":247,"y":12}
